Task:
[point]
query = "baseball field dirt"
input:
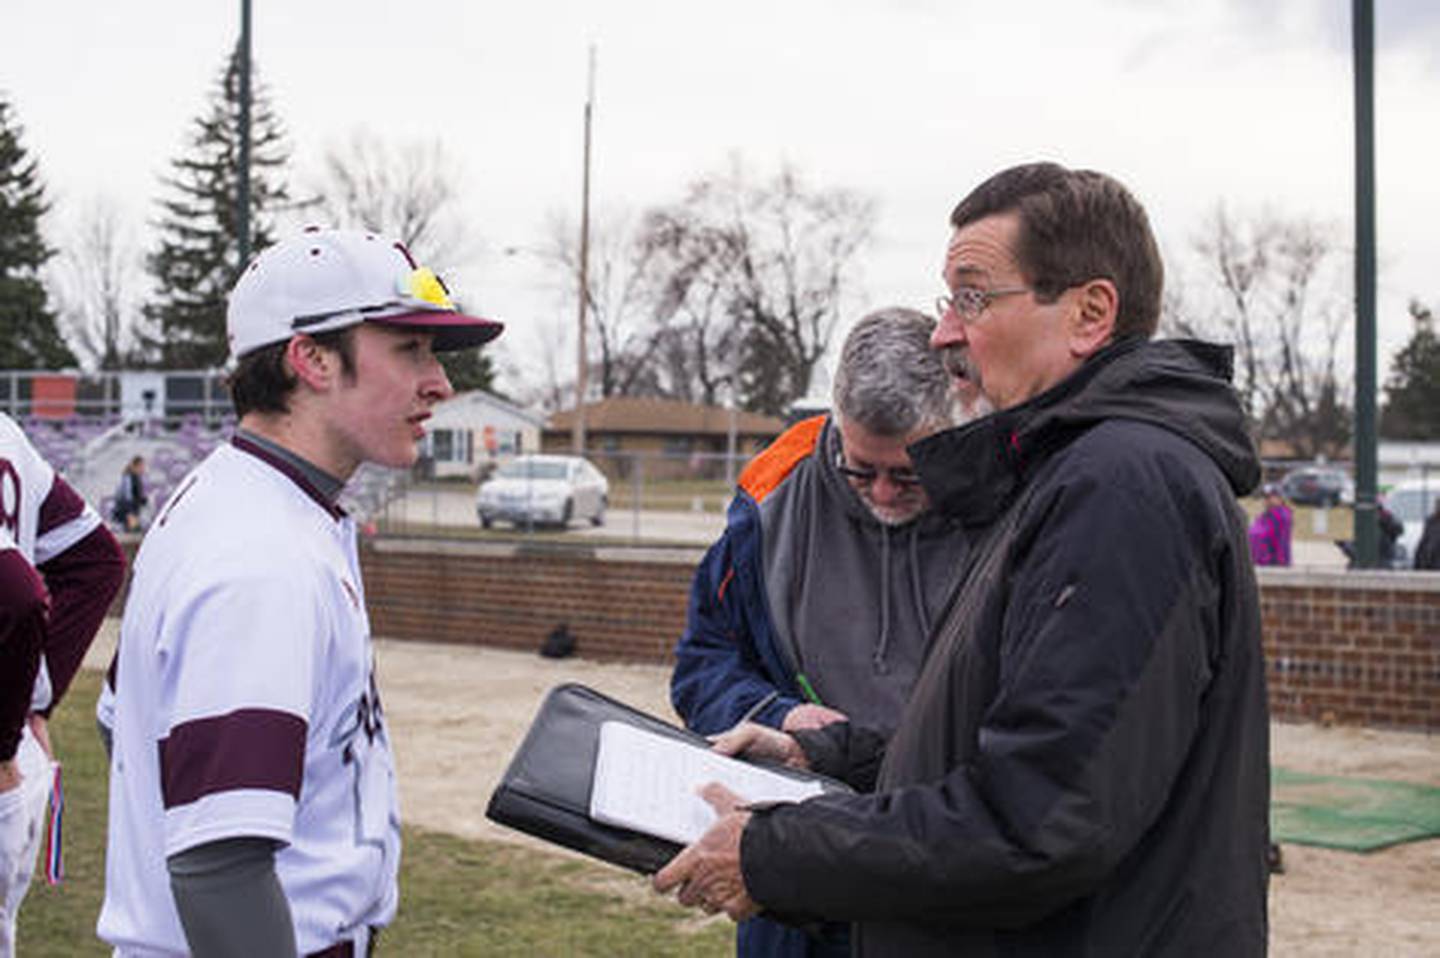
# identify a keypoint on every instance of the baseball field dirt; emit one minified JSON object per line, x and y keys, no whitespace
{"x":457,"y":714}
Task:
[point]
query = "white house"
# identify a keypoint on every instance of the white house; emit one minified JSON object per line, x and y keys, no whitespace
{"x":475,"y":428}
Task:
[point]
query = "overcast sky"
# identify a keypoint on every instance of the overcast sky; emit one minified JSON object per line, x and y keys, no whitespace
{"x":1189,"y":102}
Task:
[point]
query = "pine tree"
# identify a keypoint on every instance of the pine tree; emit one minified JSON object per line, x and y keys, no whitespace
{"x":30,"y":338}
{"x":198,"y":259}
{"x":1412,"y":409}
{"x":469,"y":369}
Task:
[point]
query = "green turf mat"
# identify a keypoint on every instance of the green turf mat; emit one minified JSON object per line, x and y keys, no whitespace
{"x":1354,"y":814}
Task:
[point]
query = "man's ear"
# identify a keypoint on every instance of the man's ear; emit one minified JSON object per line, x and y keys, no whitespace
{"x":314,"y":366}
{"x":1093,"y":325}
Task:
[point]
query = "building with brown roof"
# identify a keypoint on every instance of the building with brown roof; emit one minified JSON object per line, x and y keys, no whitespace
{"x":674,"y":438}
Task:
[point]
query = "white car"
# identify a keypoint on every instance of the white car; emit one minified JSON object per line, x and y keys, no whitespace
{"x":1411,"y":501}
{"x":543,"y":490}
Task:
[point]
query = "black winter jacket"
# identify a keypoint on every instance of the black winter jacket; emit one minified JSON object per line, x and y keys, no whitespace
{"x":1082,"y":768}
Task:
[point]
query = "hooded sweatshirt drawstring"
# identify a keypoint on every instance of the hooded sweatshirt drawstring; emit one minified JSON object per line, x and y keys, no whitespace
{"x":917,"y":592}
{"x":917,"y":588}
{"x":878,"y":659}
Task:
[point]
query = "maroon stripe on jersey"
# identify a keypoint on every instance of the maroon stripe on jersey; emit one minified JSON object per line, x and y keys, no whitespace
{"x":60,"y":506}
{"x":247,"y":748}
{"x":289,"y":471}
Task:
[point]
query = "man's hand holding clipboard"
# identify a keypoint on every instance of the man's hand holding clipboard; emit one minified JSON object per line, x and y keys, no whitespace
{"x":706,"y":874}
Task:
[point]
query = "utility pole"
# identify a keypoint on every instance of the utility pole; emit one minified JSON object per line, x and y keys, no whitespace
{"x":733,"y":415}
{"x":582,"y":372}
{"x":1367,"y":551}
{"x":242,"y":199}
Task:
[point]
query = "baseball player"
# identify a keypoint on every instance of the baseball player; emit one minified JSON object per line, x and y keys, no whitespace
{"x":252,"y":792}
{"x":59,"y":570}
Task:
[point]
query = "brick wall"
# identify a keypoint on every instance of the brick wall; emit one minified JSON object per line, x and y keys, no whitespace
{"x":1353,"y":648}
{"x":1349,"y":647}
{"x":629,"y":608}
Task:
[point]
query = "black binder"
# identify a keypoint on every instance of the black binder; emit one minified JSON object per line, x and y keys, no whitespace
{"x":545,"y":791}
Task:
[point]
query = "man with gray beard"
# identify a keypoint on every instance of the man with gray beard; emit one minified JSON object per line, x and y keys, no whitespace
{"x":815,"y":605}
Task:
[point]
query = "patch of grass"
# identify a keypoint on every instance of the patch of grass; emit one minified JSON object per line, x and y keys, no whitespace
{"x":457,"y":897}
{"x":673,"y":495}
{"x":476,"y":898}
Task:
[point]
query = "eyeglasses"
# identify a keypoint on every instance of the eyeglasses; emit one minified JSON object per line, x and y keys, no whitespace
{"x":904,"y":478}
{"x":969,"y":302}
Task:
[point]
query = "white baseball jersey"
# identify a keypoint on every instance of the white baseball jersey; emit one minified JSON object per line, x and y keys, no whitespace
{"x":40,"y":513}
{"x":245,"y":706}
{"x":40,"y":517}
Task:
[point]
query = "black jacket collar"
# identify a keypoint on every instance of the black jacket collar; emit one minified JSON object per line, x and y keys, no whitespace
{"x":973,"y":472}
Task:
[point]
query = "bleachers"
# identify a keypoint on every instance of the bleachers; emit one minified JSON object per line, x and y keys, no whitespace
{"x":91,"y":451}
{"x":63,"y":441}
{"x":171,"y":450}
{"x":89,"y":425}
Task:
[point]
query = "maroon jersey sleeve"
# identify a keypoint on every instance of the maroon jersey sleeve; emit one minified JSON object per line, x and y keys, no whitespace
{"x":82,"y":581}
{"x":22,"y":632}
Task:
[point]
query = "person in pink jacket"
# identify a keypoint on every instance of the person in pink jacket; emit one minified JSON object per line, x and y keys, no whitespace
{"x":1270,"y":532}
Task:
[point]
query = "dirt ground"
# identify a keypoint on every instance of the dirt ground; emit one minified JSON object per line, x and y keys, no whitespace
{"x":457,"y":713}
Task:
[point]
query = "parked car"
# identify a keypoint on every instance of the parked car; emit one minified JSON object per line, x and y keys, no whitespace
{"x":1411,"y":501}
{"x":543,"y":490}
{"x":1318,"y":486}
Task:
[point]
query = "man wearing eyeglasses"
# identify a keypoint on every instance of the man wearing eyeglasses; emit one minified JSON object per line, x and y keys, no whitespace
{"x":1082,"y":768}
{"x":815,"y":605}
{"x":252,"y":788}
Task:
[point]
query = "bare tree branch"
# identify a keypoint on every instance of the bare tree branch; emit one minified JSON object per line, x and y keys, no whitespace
{"x":95,"y":282}
{"x":1276,"y":297}
{"x":407,"y":190}
{"x":789,"y":260}
{"x":736,"y":289}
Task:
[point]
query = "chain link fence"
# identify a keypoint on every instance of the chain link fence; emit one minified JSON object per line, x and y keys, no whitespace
{"x":647,"y":498}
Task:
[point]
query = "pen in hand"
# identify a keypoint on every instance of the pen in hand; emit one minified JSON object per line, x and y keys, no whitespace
{"x":807,"y":688}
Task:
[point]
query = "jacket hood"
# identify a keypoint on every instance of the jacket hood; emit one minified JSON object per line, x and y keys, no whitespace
{"x":1183,"y":386}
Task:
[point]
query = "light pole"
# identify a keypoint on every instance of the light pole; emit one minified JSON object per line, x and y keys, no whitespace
{"x":1367,"y":545}
{"x":582,"y":371}
{"x":242,"y":199}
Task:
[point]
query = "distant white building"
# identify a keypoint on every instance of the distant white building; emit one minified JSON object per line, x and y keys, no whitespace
{"x":473,"y":429}
{"x":1400,"y":460}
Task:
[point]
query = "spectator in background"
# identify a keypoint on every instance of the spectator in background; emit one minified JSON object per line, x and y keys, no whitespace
{"x":1270,"y":532}
{"x":1427,"y":552}
{"x":130,"y":495}
{"x":1390,"y":530}
{"x":59,"y":569}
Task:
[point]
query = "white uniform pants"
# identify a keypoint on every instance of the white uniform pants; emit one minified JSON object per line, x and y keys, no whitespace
{"x":22,"y":827}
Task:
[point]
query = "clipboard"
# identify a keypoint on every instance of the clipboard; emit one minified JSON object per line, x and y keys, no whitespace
{"x":545,"y":791}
